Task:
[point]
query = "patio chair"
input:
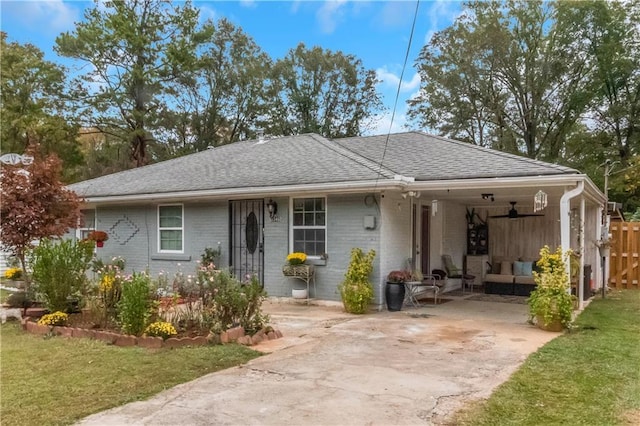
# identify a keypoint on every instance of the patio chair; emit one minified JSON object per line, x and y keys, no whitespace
{"x":429,"y":283}
{"x":454,"y":272}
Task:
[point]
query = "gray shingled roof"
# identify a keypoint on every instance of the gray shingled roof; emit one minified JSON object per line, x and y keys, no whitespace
{"x":427,"y":158}
{"x":294,"y":160}
{"x":312,"y":159}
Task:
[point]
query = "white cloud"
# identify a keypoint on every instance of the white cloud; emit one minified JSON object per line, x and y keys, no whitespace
{"x":330,"y":14}
{"x":441,"y":14}
{"x":47,"y":17}
{"x":390,"y":79}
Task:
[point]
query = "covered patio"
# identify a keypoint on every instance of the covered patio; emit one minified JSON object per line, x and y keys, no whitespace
{"x":483,"y":222}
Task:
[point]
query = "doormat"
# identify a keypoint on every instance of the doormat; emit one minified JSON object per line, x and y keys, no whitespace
{"x":429,"y":300}
{"x":503,"y":298}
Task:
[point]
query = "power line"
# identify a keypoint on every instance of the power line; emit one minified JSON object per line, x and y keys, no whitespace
{"x":395,"y":104}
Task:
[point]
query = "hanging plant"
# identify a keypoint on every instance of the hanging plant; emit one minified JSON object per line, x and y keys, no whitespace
{"x":98,"y":236}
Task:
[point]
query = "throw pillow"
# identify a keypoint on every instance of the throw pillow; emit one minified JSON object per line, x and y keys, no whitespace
{"x":517,"y":268}
{"x":527,"y":269}
{"x":505,"y":268}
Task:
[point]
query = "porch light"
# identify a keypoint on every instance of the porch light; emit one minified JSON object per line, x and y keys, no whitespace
{"x":488,"y":197}
{"x":411,"y":194}
{"x":272,"y":208}
{"x":434,"y":207}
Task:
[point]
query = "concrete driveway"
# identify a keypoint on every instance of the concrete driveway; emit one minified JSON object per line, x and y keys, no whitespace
{"x":416,"y":366}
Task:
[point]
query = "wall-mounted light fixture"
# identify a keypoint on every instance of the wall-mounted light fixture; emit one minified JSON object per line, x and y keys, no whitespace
{"x":412,"y":194}
{"x":488,"y":197}
{"x":272,"y":208}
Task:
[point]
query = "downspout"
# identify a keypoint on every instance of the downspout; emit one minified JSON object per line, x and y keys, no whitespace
{"x":565,"y":229}
{"x":580,"y":285}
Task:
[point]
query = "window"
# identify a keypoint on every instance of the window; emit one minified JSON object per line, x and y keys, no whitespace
{"x":170,"y":232}
{"x":309,"y":226}
{"x":88,"y":224}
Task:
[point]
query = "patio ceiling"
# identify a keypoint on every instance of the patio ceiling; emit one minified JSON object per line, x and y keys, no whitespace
{"x":501,"y":196}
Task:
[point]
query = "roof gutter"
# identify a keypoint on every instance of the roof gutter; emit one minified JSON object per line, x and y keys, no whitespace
{"x":497,"y":182}
{"x":236,"y":193}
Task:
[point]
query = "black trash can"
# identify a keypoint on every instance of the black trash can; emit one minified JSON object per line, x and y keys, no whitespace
{"x":394,"y":293}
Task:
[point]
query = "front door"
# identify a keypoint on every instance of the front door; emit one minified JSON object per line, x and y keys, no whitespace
{"x":247,"y":241}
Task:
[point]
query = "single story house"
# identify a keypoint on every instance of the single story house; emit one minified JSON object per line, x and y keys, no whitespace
{"x":412,"y":197}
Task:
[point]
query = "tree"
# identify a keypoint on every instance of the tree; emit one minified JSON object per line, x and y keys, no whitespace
{"x":609,"y":33}
{"x":321,"y":91}
{"x":35,"y":204}
{"x":135,"y":49}
{"x":505,"y":75}
{"x":222,"y":99}
{"x":33,"y":107}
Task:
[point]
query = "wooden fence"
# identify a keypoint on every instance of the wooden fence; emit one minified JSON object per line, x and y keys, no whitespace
{"x":624,"y":270}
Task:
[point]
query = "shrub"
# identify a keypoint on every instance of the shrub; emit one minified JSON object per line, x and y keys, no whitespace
{"x":57,"y":318}
{"x":551,"y":298}
{"x":356,"y":291}
{"x":233,"y":303}
{"x":211,"y":256}
{"x":59,"y":272}
{"x":161,"y":329}
{"x":135,"y":304}
{"x":109,"y":287}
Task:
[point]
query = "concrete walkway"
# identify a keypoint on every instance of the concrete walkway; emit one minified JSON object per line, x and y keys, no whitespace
{"x":416,"y":366}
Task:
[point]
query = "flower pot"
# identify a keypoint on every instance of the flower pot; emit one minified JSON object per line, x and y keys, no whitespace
{"x":299,"y":293}
{"x":394,"y":293}
{"x":99,"y":243}
{"x":554,"y":325}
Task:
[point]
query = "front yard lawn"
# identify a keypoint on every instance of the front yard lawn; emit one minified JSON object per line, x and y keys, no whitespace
{"x":55,"y":380}
{"x":589,"y":376}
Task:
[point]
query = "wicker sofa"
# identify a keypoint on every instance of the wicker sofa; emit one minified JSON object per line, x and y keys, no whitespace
{"x":510,"y":277}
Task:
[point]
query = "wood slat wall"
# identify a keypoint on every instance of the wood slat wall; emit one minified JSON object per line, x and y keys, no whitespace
{"x":523,"y":238}
{"x":624,"y":271}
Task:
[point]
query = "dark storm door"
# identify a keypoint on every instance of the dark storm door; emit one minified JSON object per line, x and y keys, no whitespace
{"x":247,"y":243}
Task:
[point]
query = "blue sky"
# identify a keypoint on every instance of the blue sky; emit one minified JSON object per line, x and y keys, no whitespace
{"x":377,"y":32}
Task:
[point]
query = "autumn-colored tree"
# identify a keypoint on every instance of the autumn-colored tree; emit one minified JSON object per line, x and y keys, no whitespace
{"x":35,"y":205}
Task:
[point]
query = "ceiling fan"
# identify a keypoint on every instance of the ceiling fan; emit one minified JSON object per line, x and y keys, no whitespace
{"x":513,"y":213}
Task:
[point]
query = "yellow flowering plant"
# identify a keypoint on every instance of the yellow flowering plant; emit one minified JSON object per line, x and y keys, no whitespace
{"x":160,"y":329}
{"x":13,"y":274}
{"x":57,"y":318}
{"x":551,"y":300}
{"x":296,"y":258}
{"x":356,"y":290}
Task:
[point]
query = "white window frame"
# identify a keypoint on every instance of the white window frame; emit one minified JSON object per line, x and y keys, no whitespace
{"x":293,"y":227}
{"x":83,"y":232}
{"x":171,"y":228}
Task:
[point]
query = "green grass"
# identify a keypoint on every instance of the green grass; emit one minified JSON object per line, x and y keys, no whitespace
{"x":55,"y":380}
{"x":589,"y":376}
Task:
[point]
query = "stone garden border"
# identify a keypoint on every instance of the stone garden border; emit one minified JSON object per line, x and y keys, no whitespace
{"x":233,"y":335}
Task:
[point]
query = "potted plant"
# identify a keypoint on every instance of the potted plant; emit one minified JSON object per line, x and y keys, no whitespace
{"x":99,"y":237}
{"x":551,"y":303}
{"x":296,"y":258}
{"x":394,"y":291}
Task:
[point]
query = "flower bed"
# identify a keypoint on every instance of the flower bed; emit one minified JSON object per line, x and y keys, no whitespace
{"x":233,"y":335}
